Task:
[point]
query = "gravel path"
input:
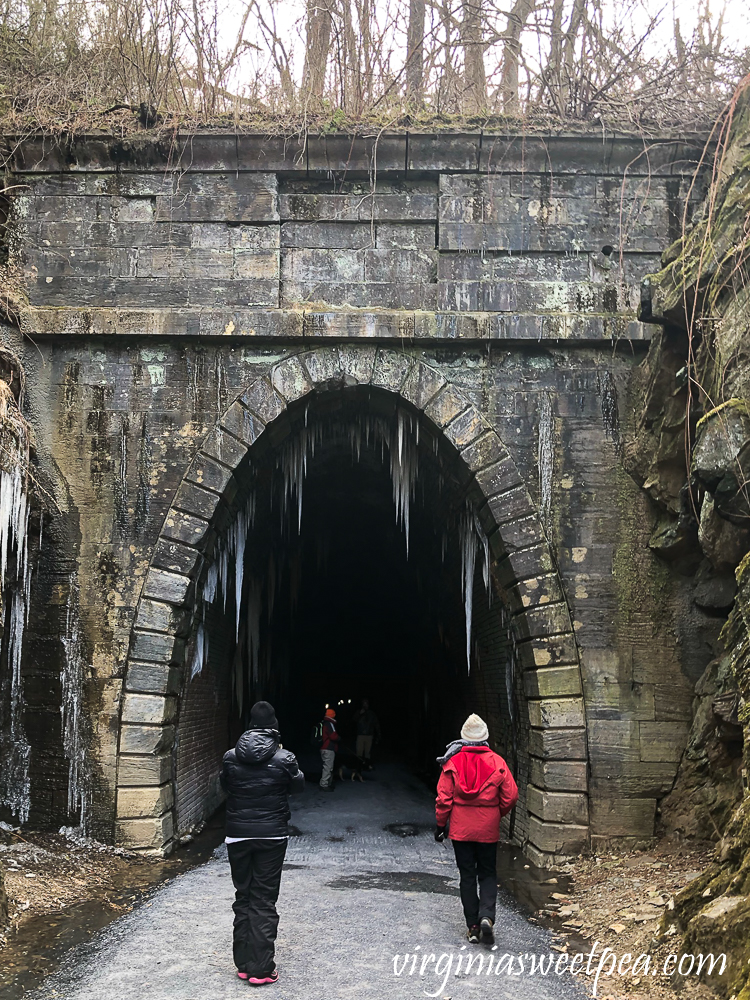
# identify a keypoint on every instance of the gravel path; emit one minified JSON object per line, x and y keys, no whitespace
{"x":354,"y":895}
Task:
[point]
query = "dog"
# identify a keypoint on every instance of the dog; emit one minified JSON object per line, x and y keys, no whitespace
{"x":347,"y":759}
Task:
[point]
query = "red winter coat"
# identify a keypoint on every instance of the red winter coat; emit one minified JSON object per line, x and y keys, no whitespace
{"x":474,"y":791}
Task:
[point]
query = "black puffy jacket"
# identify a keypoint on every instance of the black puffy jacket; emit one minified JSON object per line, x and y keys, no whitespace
{"x":258,"y":778}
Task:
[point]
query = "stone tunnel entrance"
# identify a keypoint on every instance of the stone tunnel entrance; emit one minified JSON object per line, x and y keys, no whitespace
{"x":364,"y":573}
{"x":352,"y":527}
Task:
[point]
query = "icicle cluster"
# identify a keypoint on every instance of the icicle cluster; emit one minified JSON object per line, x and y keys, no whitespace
{"x":71,"y":709}
{"x":545,"y":459}
{"x":472,"y":539}
{"x":15,"y":580}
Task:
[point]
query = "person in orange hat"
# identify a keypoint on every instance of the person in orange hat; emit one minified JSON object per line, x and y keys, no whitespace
{"x":328,"y":749}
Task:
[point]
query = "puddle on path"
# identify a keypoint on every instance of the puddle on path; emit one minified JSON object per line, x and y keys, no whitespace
{"x":39,"y":942}
{"x":396,"y":882}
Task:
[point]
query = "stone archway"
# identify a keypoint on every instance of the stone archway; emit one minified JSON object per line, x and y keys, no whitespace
{"x":557,"y":793}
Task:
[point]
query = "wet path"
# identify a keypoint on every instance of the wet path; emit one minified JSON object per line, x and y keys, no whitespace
{"x":354,"y":895}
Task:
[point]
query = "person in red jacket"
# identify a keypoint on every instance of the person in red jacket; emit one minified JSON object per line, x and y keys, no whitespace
{"x":474,"y":791}
{"x":328,"y":749}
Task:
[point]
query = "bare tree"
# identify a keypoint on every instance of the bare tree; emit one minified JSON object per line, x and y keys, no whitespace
{"x":317,"y":49}
{"x":415,"y":54}
{"x":518,"y":16}
{"x":475,"y":81}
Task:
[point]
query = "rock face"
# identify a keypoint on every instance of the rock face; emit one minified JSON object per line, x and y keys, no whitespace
{"x":703,"y":292}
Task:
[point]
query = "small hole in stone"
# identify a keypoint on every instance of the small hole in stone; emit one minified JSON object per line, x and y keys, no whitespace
{"x":607,"y":250}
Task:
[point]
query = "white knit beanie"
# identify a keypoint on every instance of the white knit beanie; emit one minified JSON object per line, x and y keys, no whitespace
{"x":475,"y":730}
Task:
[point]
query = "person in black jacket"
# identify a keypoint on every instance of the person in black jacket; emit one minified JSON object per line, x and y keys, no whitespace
{"x":258,"y":777}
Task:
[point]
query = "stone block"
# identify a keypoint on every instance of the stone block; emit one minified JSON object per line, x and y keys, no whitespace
{"x":391,"y":369}
{"x":322,"y":365}
{"x":148,"y":709}
{"x":552,"y":682}
{"x":553,"y":651}
{"x":500,"y":477}
{"x":485,"y":451}
{"x":662,"y":741}
{"x":155,"y":647}
{"x":153,"y":678}
{"x":290,"y":380}
{"x":263,"y":400}
{"x":209,"y":474}
{"x":607,"y":700}
{"x":401,"y":206}
{"x":327,"y":235}
{"x":144,"y":739}
{"x":522,"y":533}
{"x":621,"y":817}
{"x":406,"y":236}
{"x":156,"y":616}
{"x":510,"y":506}
{"x":534,"y":562}
{"x":357,"y":361}
{"x":422,"y":385}
{"x":534,"y":591}
{"x":225,"y":448}
{"x":193,"y":499}
{"x":145,"y":834}
{"x":558,"y":807}
{"x":559,"y":775}
{"x":614,"y":744}
{"x":433,"y":152}
{"x":165,"y":586}
{"x":558,"y":744}
{"x":242,"y":424}
{"x":175,"y":557}
{"x":446,"y":406}
{"x":136,"y":803}
{"x":466,"y":427}
{"x":549,"y":619}
{"x":221,"y":198}
{"x":557,"y":713}
{"x":143,"y":770}
{"x":562,"y":839}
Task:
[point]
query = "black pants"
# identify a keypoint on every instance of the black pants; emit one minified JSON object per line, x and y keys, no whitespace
{"x":477,"y":863}
{"x":256,"y":874}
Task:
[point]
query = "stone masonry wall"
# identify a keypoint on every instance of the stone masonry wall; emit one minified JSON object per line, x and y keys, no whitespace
{"x":163,"y":280}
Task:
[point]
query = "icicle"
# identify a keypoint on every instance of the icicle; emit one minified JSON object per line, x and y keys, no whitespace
{"x":545,"y":459}
{"x":71,"y":709}
{"x":200,"y":652}
{"x":467,"y":541}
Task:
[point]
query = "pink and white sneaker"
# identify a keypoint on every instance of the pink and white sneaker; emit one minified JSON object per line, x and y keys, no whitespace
{"x":243,"y":975}
{"x":264,"y":980}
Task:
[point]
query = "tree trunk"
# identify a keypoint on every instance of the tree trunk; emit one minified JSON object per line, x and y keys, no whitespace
{"x":317,"y":47}
{"x":517,"y":18}
{"x":415,"y":54}
{"x":475,"y":82}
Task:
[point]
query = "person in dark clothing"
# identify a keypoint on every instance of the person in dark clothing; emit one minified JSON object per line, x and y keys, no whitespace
{"x":368,"y":730}
{"x":258,"y":777}
{"x":475,"y":790}
{"x":328,"y":749}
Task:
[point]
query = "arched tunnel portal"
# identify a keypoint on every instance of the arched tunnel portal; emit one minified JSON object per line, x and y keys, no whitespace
{"x":352,"y":527}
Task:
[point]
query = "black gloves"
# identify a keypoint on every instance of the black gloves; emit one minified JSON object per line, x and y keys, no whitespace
{"x":440,"y":833}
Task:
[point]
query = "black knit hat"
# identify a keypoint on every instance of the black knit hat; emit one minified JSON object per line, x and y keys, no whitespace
{"x":263,"y":716}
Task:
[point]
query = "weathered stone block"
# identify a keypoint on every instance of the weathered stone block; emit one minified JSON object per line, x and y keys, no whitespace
{"x":552,"y":682}
{"x":175,"y":557}
{"x":553,"y":744}
{"x":357,"y":361}
{"x":409,"y":236}
{"x":156,"y":616}
{"x":607,"y":700}
{"x":144,"y":739}
{"x":153,"y":678}
{"x":164,"y":586}
{"x":614,"y":744}
{"x":557,"y":713}
{"x":558,"y":838}
{"x":547,"y":620}
{"x":148,"y":709}
{"x":662,"y":741}
{"x":500,"y":477}
{"x":552,"y":651}
{"x":559,"y":775}
{"x":327,"y":235}
{"x":484,"y":452}
{"x":209,"y":474}
{"x":137,"y":803}
{"x":193,"y":499}
{"x":144,"y":770}
{"x":510,"y":506}
{"x":622,"y":817}
{"x":534,"y":562}
{"x":221,"y":198}
{"x":422,"y":385}
{"x":322,"y":365}
{"x":447,"y":405}
{"x":242,"y":424}
{"x":521,"y":533}
{"x":290,"y":380}
{"x":391,"y":369}
{"x":225,"y":448}
{"x":533,"y":591}
{"x":145,"y":834}
{"x":263,"y":400}
{"x":466,"y":427}
{"x":558,"y":807}
{"x":154,"y":647}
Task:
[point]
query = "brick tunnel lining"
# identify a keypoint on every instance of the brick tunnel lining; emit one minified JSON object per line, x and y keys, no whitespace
{"x":351,"y":616}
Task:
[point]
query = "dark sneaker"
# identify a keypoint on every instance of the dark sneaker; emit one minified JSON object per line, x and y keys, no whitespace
{"x":473,"y":934}
{"x":488,"y":930}
{"x":268,"y":980}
